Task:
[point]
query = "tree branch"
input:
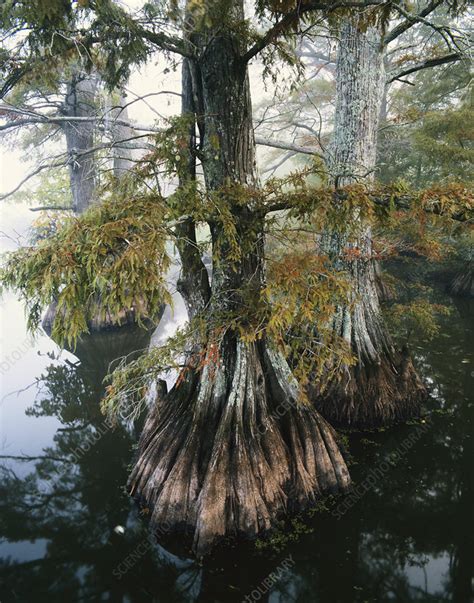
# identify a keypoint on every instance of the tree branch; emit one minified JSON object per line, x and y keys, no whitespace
{"x":37,"y":118}
{"x":402,"y":201}
{"x":286,"y":146}
{"x":159,"y":39}
{"x":448,"y":58}
{"x":301,"y":9}
{"x":63,"y":160}
{"x":410,"y":21}
{"x":35,"y":458}
{"x":51,"y":208}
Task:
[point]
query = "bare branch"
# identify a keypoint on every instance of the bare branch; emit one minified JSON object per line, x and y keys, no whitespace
{"x":35,"y":458}
{"x":448,"y":58}
{"x":50,"y":208}
{"x":31,"y":175}
{"x":38,"y":118}
{"x":286,"y":146}
{"x":410,"y":21}
{"x":63,"y":159}
{"x":289,"y":18}
{"x":159,"y":39}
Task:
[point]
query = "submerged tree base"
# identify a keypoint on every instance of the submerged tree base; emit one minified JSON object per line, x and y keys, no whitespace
{"x":231,"y":448}
{"x":103,"y":320}
{"x":373,"y":396}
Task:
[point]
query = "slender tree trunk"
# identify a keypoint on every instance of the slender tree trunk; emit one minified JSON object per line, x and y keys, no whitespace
{"x":232,"y":448}
{"x":382,"y":387}
{"x":80,"y":102}
{"x":121,"y":137}
{"x":193,"y":283}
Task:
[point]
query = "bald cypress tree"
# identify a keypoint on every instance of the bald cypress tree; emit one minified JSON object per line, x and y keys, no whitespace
{"x":255,"y":462}
{"x":382,"y":385}
{"x":235,"y":444}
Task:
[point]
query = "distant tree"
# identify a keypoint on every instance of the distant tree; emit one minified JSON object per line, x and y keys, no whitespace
{"x":75,"y":115}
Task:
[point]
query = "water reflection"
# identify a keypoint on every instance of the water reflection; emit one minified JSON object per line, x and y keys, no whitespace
{"x":407,"y":539}
{"x":73,"y":501}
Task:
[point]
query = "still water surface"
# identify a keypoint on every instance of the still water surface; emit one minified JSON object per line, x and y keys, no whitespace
{"x":68,"y":531}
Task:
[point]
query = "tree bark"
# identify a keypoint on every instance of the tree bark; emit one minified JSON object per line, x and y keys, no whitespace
{"x":80,"y":102}
{"x":462,"y":285}
{"x":385,"y":291}
{"x":232,"y":448}
{"x":383,"y":386}
{"x":120,"y":134}
{"x":193,"y":282}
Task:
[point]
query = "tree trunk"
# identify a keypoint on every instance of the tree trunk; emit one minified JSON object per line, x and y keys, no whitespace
{"x":193,"y":283}
{"x":232,"y":448}
{"x":121,"y":137}
{"x":80,"y":102}
{"x":382,"y":387}
{"x":385,"y":290}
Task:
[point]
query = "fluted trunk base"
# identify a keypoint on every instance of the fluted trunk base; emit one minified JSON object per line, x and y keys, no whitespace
{"x":371,"y":397}
{"x":231,"y":449}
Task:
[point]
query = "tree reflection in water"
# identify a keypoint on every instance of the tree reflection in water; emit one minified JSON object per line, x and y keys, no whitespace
{"x":409,"y":538}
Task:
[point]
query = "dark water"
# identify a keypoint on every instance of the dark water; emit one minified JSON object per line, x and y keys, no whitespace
{"x":68,"y":531}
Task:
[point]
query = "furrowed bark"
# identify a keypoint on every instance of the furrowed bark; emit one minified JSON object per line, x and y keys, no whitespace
{"x":383,"y":386}
{"x":193,"y":282}
{"x":231,"y":448}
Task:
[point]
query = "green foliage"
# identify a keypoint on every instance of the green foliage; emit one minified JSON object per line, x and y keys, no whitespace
{"x":445,"y":140}
{"x":172,"y":146}
{"x":430,"y":136}
{"x":418,"y":316}
{"x":62,"y":31}
{"x":46,"y":226}
{"x":129,"y":384}
{"x":113,"y":257}
{"x":302,"y":291}
{"x":40,"y":14}
{"x":115,"y":253}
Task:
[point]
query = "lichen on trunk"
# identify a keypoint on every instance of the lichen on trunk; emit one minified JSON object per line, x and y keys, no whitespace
{"x":382,"y":386}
